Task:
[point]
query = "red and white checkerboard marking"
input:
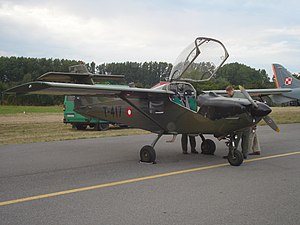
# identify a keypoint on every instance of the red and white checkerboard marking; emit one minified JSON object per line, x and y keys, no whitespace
{"x":288,"y":81}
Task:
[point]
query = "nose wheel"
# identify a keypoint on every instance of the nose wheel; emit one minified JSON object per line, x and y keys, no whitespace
{"x":235,"y":158}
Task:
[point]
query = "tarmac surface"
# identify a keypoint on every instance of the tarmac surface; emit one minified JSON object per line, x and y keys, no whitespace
{"x":100,"y":181}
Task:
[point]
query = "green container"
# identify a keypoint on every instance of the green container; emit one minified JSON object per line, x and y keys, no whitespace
{"x":78,"y":121}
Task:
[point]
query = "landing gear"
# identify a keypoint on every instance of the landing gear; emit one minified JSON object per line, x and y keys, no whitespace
{"x":235,"y":157}
{"x":147,"y":153}
{"x":208,"y":146}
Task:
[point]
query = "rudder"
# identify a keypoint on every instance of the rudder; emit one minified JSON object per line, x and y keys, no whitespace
{"x":284,"y":78}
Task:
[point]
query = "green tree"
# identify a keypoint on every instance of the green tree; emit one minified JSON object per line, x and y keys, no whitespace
{"x":17,"y":70}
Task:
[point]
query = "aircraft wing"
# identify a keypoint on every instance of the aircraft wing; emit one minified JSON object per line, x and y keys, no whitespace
{"x":53,"y":88}
{"x":257,"y":92}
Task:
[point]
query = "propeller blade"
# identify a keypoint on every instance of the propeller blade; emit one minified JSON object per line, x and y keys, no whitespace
{"x":246,"y":94}
{"x":267,"y":119}
{"x":271,"y":123}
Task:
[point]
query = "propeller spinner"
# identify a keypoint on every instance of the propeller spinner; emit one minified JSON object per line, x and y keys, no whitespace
{"x":271,"y":123}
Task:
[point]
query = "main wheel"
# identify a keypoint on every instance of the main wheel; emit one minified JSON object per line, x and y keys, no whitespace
{"x":208,"y":147}
{"x":148,"y":154}
{"x":236,"y":159}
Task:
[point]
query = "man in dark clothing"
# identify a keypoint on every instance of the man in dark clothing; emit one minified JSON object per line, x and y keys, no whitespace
{"x":184,"y":143}
{"x":189,"y":102}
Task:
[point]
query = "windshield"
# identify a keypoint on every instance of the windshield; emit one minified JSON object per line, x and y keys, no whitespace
{"x":199,"y":61}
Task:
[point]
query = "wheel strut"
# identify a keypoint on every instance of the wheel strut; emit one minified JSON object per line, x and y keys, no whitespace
{"x":156,"y":140}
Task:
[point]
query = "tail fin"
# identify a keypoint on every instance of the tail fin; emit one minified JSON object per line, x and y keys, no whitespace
{"x":283,"y":78}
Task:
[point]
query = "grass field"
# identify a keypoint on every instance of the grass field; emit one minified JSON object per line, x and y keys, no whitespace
{"x":286,"y":114}
{"x":40,"y":124}
{"x":54,"y":131}
{"x":13,"y":109}
{"x":27,"y":124}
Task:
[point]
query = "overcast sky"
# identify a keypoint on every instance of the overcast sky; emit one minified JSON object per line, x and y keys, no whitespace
{"x":255,"y":32}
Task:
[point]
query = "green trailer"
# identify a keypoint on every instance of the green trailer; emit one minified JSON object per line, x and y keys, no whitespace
{"x":78,"y":121}
{"x":82,"y":75}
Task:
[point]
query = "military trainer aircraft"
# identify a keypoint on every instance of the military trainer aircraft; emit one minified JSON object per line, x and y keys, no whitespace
{"x":171,"y":107}
{"x":287,"y":91}
{"x":285,"y":81}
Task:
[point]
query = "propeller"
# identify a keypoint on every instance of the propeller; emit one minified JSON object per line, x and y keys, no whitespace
{"x":246,"y":94}
{"x":271,"y":123}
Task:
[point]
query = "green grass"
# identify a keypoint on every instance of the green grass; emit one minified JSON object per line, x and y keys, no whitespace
{"x":284,"y":115}
{"x":12,"y":109}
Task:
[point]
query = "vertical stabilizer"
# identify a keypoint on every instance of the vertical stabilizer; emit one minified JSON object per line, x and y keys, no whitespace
{"x":283,"y":78}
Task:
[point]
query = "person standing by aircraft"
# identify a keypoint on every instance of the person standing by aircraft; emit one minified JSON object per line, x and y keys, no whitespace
{"x":247,"y":134}
{"x":184,"y":143}
{"x":255,"y":143}
{"x":189,"y":102}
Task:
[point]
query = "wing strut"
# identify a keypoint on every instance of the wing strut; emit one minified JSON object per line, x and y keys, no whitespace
{"x":138,"y":109}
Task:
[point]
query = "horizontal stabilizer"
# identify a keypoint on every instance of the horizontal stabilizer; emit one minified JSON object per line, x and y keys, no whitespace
{"x":77,"y":78}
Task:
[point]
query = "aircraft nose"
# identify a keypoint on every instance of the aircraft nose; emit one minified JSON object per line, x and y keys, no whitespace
{"x":261,"y":111}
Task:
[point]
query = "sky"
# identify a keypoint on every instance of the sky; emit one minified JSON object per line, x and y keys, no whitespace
{"x":255,"y":32}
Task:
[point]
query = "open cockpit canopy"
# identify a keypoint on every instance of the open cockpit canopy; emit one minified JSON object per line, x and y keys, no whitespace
{"x":199,"y":61}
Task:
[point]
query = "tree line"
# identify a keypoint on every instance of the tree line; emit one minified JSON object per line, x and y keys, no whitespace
{"x":18,"y":70}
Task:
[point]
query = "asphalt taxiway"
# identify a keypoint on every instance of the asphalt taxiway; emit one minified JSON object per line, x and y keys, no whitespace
{"x":100,"y":181}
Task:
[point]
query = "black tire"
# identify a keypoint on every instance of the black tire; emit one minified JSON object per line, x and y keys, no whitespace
{"x":237,"y":158}
{"x":101,"y":126}
{"x":208,"y":147}
{"x":148,"y":154}
{"x":80,"y":126}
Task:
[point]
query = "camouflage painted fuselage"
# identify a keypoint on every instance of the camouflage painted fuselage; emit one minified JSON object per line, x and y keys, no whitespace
{"x":215,"y":114}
